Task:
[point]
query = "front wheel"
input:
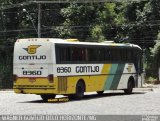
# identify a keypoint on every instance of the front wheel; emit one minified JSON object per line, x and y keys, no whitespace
{"x":47,"y":96}
{"x":129,"y":87}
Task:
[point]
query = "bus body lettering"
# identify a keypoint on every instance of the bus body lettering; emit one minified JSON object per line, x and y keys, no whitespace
{"x":87,"y":69}
{"x":32,"y":72}
{"x":63,"y":69}
{"x":32,"y":57}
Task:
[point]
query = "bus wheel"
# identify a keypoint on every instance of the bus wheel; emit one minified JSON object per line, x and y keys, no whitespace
{"x":80,"y":88}
{"x":100,"y":92}
{"x":46,"y":97}
{"x":130,"y":87}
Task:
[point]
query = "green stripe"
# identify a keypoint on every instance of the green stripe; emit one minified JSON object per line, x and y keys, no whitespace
{"x":113,"y":79}
{"x":117,"y":77}
{"x":110,"y":78}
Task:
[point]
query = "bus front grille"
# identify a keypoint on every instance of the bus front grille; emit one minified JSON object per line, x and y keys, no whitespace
{"x":62,"y":84}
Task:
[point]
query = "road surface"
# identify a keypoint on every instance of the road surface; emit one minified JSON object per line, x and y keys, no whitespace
{"x":141,"y":102}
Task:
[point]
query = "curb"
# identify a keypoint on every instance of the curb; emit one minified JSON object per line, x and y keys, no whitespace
{"x":6,"y":89}
{"x":143,"y":89}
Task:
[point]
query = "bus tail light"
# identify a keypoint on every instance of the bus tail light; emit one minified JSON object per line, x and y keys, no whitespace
{"x":15,"y":77}
{"x":51,"y":78}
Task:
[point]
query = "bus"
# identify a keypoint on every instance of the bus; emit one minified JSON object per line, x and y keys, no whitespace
{"x":53,"y":66}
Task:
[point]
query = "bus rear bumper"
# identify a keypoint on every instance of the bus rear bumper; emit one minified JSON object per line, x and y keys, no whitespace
{"x":39,"y":91}
{"x":35,"y":91}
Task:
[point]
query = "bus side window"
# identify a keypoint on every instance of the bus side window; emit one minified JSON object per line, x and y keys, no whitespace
{"x":107,"y":55}
{"x":121,"y":55}
{"x":57,"y":53}
{"x":100,"y":55}
{"x":92,"y":54}
{"x":60,"y":54}
{"x":135,"y":59}
{"x":78,"y":54}
{"x":74,"y":54}
{"x":67,"y":55}
{"x":81,"y":54}
{"x":129,"y":55}
{"x":125,"y":54}
{"x":114,"y":54}
{"x":86,"y":54}
{"x":118,"y":55}
{"x":63,"y":54}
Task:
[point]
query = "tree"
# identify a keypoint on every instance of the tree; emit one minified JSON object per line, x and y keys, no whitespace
{"x":153,"y":63}
{"x":77,"y":20}
{"x":156,"y":50}
{"x":142,"y":22}
{"x":91,"y":22}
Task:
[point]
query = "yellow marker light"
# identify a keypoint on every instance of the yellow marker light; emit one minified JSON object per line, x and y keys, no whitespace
{"x":72,"y":40}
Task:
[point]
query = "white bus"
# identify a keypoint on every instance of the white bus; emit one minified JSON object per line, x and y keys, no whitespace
{"x":49,"y":67}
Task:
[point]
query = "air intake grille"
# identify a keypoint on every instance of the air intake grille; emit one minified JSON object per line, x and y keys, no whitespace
{"x":62,"y":84}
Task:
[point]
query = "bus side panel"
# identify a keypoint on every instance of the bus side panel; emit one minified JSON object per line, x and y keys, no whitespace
{"x":98,"y":82}
{"x":109,"y":78}
{"x":118,"y":76}
{"x":92,"y":83}
{"x":113,"y":78}
{"x":129,"y":71}
{"x":72,"y":81}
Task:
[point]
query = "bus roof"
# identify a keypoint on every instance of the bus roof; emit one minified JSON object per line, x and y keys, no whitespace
{"x":76,"y":42}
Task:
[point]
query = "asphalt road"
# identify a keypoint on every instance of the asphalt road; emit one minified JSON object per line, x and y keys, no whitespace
{"x":141,"y":102}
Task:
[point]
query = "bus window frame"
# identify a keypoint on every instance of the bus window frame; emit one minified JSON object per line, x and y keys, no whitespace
{"x":118,"y":54}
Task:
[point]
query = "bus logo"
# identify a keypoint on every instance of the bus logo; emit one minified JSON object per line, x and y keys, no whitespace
{"x":129,"y":68}
{"x":32,"y":49}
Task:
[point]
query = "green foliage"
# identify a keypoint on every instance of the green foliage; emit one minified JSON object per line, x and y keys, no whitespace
{"x":158,"y":36}
{"x":142,"y":22}
{"x":77,"y":20}
{"x":153,"y":57}
{"x":150,"y":80}
{"x":96,"y":22}
{"x":6,"y":65}
{"x":97,"y":34}
{"x":156,"y":50}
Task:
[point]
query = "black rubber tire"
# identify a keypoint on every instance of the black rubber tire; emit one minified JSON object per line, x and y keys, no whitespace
{"x":129,"y":87}
{"x":80,"y":89}
{"x":47,"y":96}
{"x":100,"y":92}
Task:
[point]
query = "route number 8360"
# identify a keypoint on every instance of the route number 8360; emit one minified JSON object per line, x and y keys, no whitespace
{"x":63,"y":69}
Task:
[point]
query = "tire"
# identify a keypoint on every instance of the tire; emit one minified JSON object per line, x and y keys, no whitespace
{"x":130,"y":87}
{"x":46,"y":97}
{"x":100,"y":92}
{"x":80,"y":89}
